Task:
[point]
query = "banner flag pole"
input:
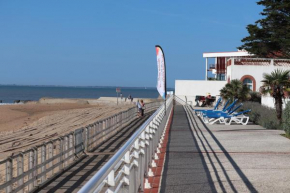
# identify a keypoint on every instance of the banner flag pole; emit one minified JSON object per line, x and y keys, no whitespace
{"x":161,"y":78}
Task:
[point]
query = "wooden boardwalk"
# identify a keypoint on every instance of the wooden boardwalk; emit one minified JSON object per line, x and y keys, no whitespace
{"x":78,"y":174}
{"x":223,"y":158}
{"x":185,"y":169}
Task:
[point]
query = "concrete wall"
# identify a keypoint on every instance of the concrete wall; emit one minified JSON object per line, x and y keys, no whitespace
{"x":191,"y":88}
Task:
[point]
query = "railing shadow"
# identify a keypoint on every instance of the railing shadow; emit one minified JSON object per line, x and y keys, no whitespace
{"x":244,"y":178}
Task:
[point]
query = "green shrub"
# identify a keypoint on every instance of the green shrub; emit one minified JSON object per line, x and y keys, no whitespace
{"x":255,"y":97}
{"x":286,"y":119}
{"x":261,"y":115}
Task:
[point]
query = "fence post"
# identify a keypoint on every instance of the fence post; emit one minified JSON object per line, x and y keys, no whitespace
{"x":35,"y":161}
{"x":121,"y":119}
{"x":108,"y":127}
{"x":65,"y":150}
{"x":97,"y":131}
{"x":94,"y":136}
{"x":61,"y":153}
{"x":43,"y":159}
{"x":50,"y":155}
{"x":20,"y":166}
{"x":71,"y":142}
{"x":113,"y":125}
{"x":86,"y":142}
{"x":103,"y":131}
{"x":9,"y":173}
{"x":30,"y":176}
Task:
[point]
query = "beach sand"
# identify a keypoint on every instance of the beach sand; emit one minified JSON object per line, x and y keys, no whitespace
{"x":26,"y":125}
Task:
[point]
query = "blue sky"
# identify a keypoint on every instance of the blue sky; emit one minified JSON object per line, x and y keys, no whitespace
{"x":112,"y":43}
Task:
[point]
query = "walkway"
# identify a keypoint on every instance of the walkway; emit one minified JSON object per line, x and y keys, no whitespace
{"x":219,"y":158}
{"x":77,"y":175}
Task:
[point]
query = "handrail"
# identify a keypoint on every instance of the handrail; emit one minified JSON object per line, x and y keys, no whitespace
{"x":107,"y":174}
{"x":181,"y":100}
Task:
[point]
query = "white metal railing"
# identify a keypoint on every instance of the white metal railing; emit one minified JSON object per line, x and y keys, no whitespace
{"x":27,"y":170}
{"x":127,"y":169}
{"x":181,"y":101}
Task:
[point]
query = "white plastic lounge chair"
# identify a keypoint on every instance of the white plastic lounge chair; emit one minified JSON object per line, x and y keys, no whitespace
{"x":225,"y":118}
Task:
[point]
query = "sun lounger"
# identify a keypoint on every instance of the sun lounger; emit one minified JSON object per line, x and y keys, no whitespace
{"x":225,"y":108}
{"x":239,"y":118}
{"x":226,"y":118}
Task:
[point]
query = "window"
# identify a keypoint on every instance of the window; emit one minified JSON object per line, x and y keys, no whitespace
{"x":249,"y":83}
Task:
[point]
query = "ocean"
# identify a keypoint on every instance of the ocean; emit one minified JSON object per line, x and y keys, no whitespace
{"x":8,"y":94}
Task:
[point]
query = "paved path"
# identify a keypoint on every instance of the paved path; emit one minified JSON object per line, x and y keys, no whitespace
{"x":77,"y":175}
{"x":219,"y":158}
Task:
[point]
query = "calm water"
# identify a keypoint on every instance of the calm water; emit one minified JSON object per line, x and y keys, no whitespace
{"x":10,"y":93}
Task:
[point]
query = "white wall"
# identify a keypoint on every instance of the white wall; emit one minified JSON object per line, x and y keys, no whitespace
{"x":238,"y":71}
{"x":191,"y":88}
{"x":269,"y":101}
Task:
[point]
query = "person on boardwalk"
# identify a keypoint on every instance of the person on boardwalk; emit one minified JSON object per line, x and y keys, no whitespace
{"x":139,"y":107}
{"x":142,"y":108}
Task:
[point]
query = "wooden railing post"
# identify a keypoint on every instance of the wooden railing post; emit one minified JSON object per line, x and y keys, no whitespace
{"x":71,"y":142}
{"x":20,"y":167}
{"x":35,"y":161}
{"x":50,"y":155}
{"x":95,"y":135}
{"x":103,"y":131}
{"x":65,"y":150}
{"x":86,"y":142}
{"x":9,"y":173}
{"x":30,"y":167}
{"x":60,"y":149}
{"x":43,"y":159}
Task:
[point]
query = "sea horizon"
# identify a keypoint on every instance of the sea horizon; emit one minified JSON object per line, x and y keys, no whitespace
{"x":11,"y":93}
{"x":127,"y":87}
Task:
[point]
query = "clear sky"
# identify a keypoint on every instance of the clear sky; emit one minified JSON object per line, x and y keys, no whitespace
{"x":112,"y":43}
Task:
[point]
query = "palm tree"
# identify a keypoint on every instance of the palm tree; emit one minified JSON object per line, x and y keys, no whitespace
{"x":275,"y":84}
{"x":235,"y":90}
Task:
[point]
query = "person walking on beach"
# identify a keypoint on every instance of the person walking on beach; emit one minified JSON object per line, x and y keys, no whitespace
{"x":130,"y":98}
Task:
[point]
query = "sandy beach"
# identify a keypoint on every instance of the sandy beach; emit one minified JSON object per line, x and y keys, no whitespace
{"x":26,"y":125}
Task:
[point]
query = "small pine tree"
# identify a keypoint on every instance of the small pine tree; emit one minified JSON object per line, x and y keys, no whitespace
{"x":270,"y":35}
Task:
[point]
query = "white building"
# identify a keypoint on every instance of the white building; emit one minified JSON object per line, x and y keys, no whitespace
{"x":226,"y":67}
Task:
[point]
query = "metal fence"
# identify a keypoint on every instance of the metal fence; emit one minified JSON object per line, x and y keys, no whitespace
{"x":127,"y":170}
{"x":27,"y":170}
